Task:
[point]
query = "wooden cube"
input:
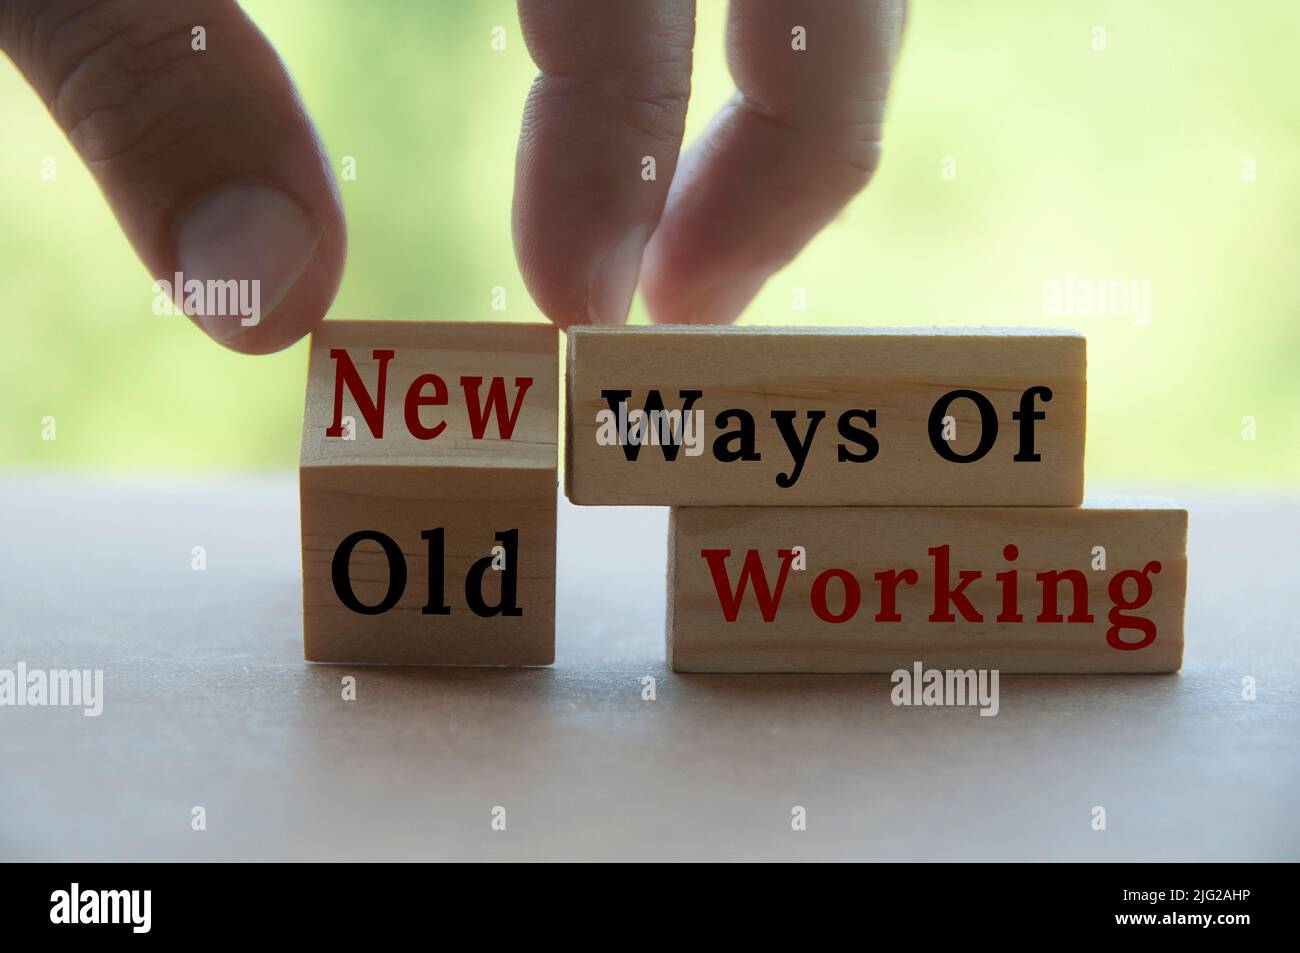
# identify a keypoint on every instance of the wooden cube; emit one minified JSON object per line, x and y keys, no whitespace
{"x":1099,"y":588}
{"x":815,"y":417}
{"x":428,"y":493}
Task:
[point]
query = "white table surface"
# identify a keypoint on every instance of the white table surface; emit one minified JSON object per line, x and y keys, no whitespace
{"x":208,"y":702}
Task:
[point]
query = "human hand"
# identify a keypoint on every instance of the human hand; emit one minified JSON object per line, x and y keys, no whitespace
{"x":800,"y":137}
{"x":205,"y":155}
{"x":215,"y":171}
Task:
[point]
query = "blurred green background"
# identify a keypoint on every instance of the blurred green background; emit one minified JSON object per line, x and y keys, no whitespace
{"x":1129,"y":162}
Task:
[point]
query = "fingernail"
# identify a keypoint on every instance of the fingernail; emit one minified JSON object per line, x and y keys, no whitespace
{"x":723,"y":304}
{"x":613,"y":280}
{"x":252,"y":234}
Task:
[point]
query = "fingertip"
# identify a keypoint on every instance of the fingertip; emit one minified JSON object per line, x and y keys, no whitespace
{"x":721,"y":304}
{"x":614,"y":278}
{"x":265,"y":267}
{"x":598,"y":147}
{"x":683,"y":283}
{"x":206,"y":155}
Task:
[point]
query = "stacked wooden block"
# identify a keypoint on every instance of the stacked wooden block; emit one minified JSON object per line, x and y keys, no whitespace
{"x":843,"y":500}
{"x":427,"y":481}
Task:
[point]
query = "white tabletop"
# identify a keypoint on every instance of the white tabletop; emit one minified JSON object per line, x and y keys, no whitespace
{"x":208,"y":703}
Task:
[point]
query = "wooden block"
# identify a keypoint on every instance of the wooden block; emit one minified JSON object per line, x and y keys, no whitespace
{"x":435,"y":442}
{"x":835,"y":615}
{"x":880,"y":391}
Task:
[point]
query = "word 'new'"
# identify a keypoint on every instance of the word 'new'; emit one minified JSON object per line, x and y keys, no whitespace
{"x":683,"y":429}
{"x":427,"y":390}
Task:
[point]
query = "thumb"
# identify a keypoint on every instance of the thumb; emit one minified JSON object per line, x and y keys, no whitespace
{"x":187,"y":119}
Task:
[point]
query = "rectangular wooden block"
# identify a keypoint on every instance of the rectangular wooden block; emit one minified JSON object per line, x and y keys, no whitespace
{"x":428,"y":491}
{"x":819,"y":417}
{"x":1099,"y":588}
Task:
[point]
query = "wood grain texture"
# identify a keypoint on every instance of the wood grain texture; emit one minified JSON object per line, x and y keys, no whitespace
{"x":471,"y":506}
{"x":451,"y":350}
{"x":866,"y":541}
{"x":400,"y":485}
{"x":900,"y":374}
